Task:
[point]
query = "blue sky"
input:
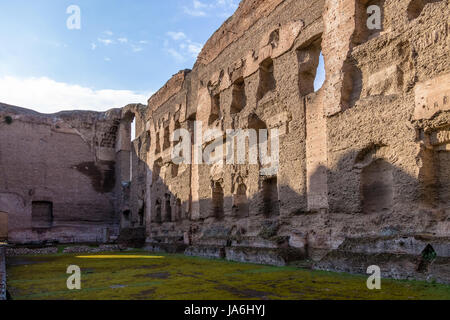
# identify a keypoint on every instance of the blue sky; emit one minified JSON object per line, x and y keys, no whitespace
{"x":124,"y":51}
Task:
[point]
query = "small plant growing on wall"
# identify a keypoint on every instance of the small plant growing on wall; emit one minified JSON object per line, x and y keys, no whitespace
{"x":8,"y":120}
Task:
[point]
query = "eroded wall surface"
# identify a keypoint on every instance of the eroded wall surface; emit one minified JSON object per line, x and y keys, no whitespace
{"x":57,"y":177}
{"x":364,"y":157}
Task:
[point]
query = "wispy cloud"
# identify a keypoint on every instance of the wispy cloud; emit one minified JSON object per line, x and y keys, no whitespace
{"x":48,"y":96}
{"x":221,"y":8}
{"x":180,"y":47}
{"x":106,"y":42}
{"x":135,"y":46}
{"x":176,"y":35}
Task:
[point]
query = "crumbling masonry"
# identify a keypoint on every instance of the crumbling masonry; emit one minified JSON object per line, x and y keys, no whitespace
{"x":364,"y":168}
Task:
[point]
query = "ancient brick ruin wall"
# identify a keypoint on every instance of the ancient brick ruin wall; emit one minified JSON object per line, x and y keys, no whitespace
{"x":57,"y":177}
{"x":365,"y":156}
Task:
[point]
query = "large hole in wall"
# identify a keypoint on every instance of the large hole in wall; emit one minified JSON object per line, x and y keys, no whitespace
{"x":217,"y":210}
{"x":178,"y":210}
{"x":133,"y":129}
{"x":127,"y":135}
{"x":311,"y":75}
{"x":271,"y":205}
{"x":239,"y":99}
{"x":443,"y":177}
{"x":434,"y":176}
{"x":255,"y":123}
{"x":168,"y":209}
{"x":415,"y":8}
{"x":428,"y":255}
{"x":352,"y":84}
{"x":158,"y":215}
{"x":166,"y":144}
{"x":157,"y":144}
{"x":157,"y":165}
{"x":42,"y":214}
{"x":267,"y":82}
{"x":240,"y":202}
{"x":126,"y":216}
{"x":215,"y":109}
{"x":174,"y":170}
{"x":3,"y":226}
{"x":141,"y":214}
{"x":377,"y":187}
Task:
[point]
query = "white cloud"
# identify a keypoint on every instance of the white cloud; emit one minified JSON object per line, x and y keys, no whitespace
{"x":93,"y":46}
{"x":176,"y":55}
{"x":194,"y":49}
{"x":108,"y":33}
{"x":107,"y":59}
{"x":186,"y":48}
{"x":221,"y":8}
{"x":143,"y":42}
{"x":176,"y":35}
{"x":106,"y":42}
{"x":48,"y":96}
{"x":122,"y":40}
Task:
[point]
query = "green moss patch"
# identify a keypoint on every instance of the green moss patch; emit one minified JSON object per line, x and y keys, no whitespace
{"x":178,"y":277}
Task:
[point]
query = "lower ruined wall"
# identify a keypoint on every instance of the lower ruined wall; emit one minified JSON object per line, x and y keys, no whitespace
{"x":57,"y":176}
{"x":2,"y":273}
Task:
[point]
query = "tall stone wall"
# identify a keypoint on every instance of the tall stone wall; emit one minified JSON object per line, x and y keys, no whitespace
{"x":364,"y":157}
{"x":57,"y":177}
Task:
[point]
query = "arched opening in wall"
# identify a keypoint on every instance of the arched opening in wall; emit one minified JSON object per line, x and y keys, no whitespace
{"x":158,"y":217}
{"x":142,"y":215}
{"x":271,"y":204}
{"x":369,"y":19}
{"x":415,"y":8}
{"x":238,"y":99}
{"x":157,"y":144}
{"x":215,"y":109}
{"x":320,"y":73}
{"x":148,"y":141}
{"x":166,"y":144}
{"x":377,"y":187}
{"x":157,"y":165}
{"x":217,"y":201}
{"x":133,"y":129}
{"x":428,"y":255}
{"x":311,"y":67}
{"x":168,"y":209}
{"x":127,"y":135}
{"x":174,"y":169}
{"x":267,"y":82}
{"x":126,"y":217}
{"x":443,"y":177}
{"x":42,"y":214}
{"x":352,"y":83}
{"x":178,"y":210}
{"x":3,"y":226}
{"x":255,"y":123}
{"x":240,"y":202}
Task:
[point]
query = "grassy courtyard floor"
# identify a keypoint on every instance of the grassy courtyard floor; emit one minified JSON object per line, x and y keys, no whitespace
{"x":177,"y":277}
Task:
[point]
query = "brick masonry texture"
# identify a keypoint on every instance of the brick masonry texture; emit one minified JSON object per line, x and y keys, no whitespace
{"x":364,"y":169}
